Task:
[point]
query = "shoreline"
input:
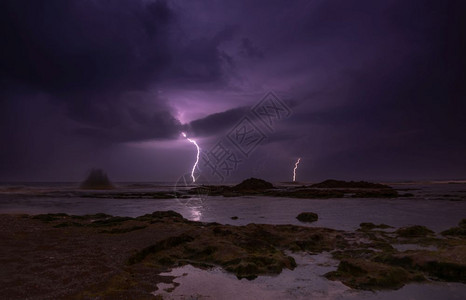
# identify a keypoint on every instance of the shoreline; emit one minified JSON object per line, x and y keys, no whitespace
{"x":58,"y":255}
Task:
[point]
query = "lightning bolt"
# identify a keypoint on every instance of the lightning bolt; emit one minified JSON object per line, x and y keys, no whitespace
{"x":295,"y":167}
{"x":197,"y":156}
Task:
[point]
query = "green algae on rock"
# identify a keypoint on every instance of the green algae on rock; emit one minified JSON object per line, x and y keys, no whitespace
{"x":459,"y":231}
{"x":370,"y":226}
{"x":414,"y":231}
{"x":369,"y":275}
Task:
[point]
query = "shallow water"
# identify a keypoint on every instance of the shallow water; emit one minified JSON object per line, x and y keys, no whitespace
{"x":306,"y":281}
{"x":437,"y":206}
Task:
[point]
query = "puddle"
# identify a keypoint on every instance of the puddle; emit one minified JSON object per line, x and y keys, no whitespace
{"x":304,"y":282}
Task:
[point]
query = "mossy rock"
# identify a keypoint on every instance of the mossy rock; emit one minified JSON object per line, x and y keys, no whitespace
{"x":50,"y":217}
{"x":459,"y":231}
{"x":414,"y":231}
{"x":123,"y":230}
{"x":353,"y":253}
{"x":92,"y":216}
{"x":252,"y":266}
{"x":68,"y":224}
{"x":455,"y":231}
{"x":307,"y":217}
{"x":159,"y":215}
{"x":395,"y":260}
{"x":370,"y":226}
{"x":446,"y":270}
{"x":369,"y":275}
{"x":160,"y":246}
{"x":462,"y":223}
{"x":112,"y":221}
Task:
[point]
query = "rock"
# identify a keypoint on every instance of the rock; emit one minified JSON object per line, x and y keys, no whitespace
{"x":455,"y":231}
{"x":97,"y":180}
{"x":306,"y":193}
{"x":462,"y":223}
{"x":368,"y":275}
{"x":307,"y":217}
{"x":253,"y":184}
{"x":161,"y":215}
{"x":459,"y":231}
{"x":370,"y":226}
{"x":331,"y":183}
{"x":325,"y":190}
{"x":414,"y":231}
{"x":380,"y":193}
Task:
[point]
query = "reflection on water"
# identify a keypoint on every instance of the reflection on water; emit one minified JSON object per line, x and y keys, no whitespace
{"x":306,"y":281}
{"x":195,"y":209}
{"x":424,"y":208}
{"x":196,"y":213}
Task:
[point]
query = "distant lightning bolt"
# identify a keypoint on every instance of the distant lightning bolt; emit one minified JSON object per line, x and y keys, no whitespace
{"x":295,"y":167}
{"x":197,"y":156}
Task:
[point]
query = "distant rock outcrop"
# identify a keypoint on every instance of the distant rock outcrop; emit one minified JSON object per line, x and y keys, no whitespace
{"x":332,"y":184}
{"x":324,"y":190}
{"x":97,"y":180}
{"x":307,"y":217}
{"x":253,"y":184}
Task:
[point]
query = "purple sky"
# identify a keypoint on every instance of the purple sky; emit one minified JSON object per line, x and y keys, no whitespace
{"x":376,"y":88}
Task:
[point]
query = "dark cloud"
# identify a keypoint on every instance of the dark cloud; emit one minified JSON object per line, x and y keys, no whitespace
{"x":217,"y":123}
{"x":63,"y":46}
{"x":132,"y":116}
{"x":249,"y":50}
{"x":97,"y":58}
{"x":200,"y":62}
{"x":377,"y":86}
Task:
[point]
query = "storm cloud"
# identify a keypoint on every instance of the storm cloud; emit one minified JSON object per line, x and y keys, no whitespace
{"x":376,"y":88}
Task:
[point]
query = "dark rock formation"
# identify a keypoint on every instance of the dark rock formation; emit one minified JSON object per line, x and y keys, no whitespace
{"x":324,"y":190}
{"x":414,"y":231}
{"x":458,"y":231}
{"x":369,"y":275}
{"x":370,"y":226}
{"x":332,"y":184}
{"x":253,"y":184}
{"x":97,"y":180}
{"x":307,"y":217}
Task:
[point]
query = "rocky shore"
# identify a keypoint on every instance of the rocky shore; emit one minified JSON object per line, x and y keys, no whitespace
{"x":108,"y":257}
{"x":258,"y":187}
{"x":326,"y":189}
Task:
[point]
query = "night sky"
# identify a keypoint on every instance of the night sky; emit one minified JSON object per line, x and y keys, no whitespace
{"x":376,"y":89}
